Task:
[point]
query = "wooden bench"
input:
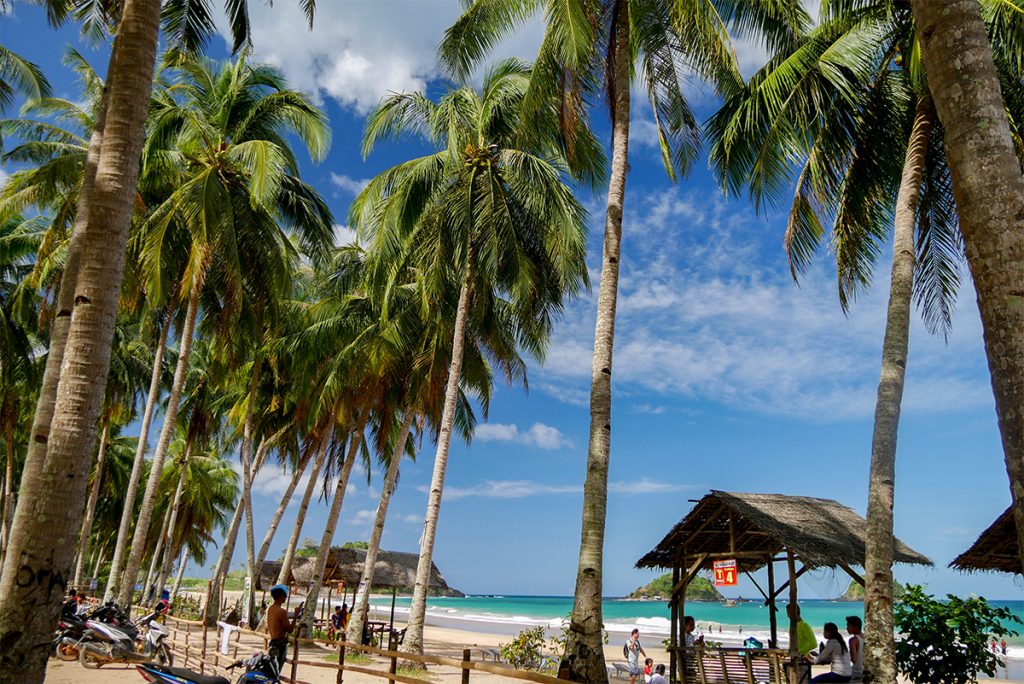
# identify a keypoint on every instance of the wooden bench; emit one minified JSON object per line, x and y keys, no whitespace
{"x":733,"y":665}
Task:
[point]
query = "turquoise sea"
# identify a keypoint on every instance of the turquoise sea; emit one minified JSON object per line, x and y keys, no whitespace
{"x":512,"y":613}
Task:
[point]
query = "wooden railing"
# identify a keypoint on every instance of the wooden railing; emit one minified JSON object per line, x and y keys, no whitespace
{"x":191,"y":644}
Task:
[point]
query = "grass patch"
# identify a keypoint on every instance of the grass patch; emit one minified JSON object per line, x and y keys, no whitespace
{"x":416,"y":673}
{"x":353,"y":658}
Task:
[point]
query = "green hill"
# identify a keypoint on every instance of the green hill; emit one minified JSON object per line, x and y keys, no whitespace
{"x":700,"y":589}
{"x":855,"y":592}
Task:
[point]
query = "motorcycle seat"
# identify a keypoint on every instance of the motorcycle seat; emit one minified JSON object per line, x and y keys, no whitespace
{"x":195,"y":677}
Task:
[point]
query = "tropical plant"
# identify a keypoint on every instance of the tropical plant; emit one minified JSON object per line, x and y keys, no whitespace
{"x":490,"y":216}
{"x":946,"y":640}
{"x":218,"y":143}
{"x":989,"y":191}
{"x":589,"y":47}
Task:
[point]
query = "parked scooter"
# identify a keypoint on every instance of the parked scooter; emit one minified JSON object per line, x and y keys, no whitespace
{"x":259,"y":669}
{"x":104,"y":643}
{"x":67,"y":637}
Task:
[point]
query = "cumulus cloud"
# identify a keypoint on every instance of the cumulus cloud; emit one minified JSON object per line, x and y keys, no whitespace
{"x":537,"y":435}
{"x":348,"y":184}
{"x":520,"y":489}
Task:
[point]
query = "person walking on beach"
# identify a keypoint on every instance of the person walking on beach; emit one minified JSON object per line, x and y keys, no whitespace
{"x":278,"y":625}
{"x":853,"y":628}
{"x":633,"y":650}
{"x":1002,"y":646}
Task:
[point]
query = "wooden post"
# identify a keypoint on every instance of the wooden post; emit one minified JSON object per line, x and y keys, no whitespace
{"x":674,"y":638}
{"x":341,"y":657}
{"x":773,"y":618}
{"x":465,"y":670}
{"x":327,"y":607}
{"x":794,"y":647}
{"x":202,"y":663}
{"x":681,"y":624}
{"x":187,"y":631}
{"x":391,"y":620}
{"x":295,"y":658}
{"x":393,"y":668}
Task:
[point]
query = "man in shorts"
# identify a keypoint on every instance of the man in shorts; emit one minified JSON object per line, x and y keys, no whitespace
{"x":278,"y":625}
{"x":633,"y":650}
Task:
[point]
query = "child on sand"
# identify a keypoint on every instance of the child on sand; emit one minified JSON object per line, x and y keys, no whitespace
{"x":648,"y":670}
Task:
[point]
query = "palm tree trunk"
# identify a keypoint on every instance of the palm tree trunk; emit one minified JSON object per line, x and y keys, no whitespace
{"x":279,"y":513}
{"x":300,"y":517}
{"x":584,"y":649}
{"x":247,"y":477}
{"x":90,"y":506}
{"x":38,"y":541}
{"x":181,"y":572}
{"x":156,"y":467}
{"x":880,"y":648}
{"x":227,"y":551}
{"x":32,"y":486}
{"x":989,"y":191}
{"x":128,"y":514}
{"x":155,"y":558}
{"x":413,"y":641}
{"x":324,"y":552}
{"x":99,"y":560}
{"x":362,"y":601}
{"x":8,"y":509}
{"x":165,"y":567}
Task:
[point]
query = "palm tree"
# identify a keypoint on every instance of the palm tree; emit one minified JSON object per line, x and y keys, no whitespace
{"x":989,"y":189}
{"x":488,"y":216}
{"x":64,"y":428}
{"x":589,"y":46}
{"x":218,"y":139}
{"x":19,"y":77}
{"x":871,"y":162}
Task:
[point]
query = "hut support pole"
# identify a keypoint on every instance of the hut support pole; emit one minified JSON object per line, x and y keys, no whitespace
{"x":794,"y":647}
{"x":391,"y":620}
{"x":674,"y":639}
{"x":773,"y":619}
{"x":341,"y":657}
{"x":681,"y":615}
{"x":852,"y":573}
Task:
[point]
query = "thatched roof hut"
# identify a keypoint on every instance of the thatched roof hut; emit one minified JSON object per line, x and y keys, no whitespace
{"x":752,"y":528}
{"x":754,"y":531}
{"x":393,"y":570}
{"x":995,"y":549}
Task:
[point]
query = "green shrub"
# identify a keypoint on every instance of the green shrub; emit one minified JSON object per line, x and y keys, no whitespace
{"x":945,"y":640}
{"x":526,"y":650}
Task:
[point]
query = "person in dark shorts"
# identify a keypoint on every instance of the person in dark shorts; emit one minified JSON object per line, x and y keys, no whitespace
{"x":278,"y":625}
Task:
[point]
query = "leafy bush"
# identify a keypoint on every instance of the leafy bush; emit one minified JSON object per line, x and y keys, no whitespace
{"x":186,"y":608}
{"x":945,"y":640}
{"x":526,"y":650}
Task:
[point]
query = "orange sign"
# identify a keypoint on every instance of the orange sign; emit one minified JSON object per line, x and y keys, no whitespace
{"x":725,"y":573}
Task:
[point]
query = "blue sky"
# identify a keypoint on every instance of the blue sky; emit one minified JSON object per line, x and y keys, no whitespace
{"x":728,"y":375}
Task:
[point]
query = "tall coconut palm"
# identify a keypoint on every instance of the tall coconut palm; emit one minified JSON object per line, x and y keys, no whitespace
{"x":989,"y":191}
{"x":490,"y":216}
{"x":218,"y":138}
{"x":848,"y":113}
{"x":589,"y":46}
{"x":19,"y":77}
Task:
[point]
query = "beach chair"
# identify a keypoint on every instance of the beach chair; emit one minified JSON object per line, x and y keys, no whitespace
{"x":621,"y":670}
{"x":495,"y":654}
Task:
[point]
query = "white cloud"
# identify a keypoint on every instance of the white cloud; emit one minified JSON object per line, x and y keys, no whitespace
{"x":537,"y":435}
{"x":358,"y":52}
{"x":412,"y":518}
{"x":363,"y":517}
{"x":520,"y":489}
{"x":708,"y":311}
{"x":350,"y":185}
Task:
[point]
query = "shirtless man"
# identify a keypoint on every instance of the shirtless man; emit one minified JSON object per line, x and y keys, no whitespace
{"x":278,"y":625}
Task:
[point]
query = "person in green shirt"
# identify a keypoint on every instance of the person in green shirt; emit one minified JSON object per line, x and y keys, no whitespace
{"x":805,"y":639}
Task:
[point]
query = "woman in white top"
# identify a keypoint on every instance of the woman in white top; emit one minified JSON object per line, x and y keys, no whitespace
{"x":835,"y":654}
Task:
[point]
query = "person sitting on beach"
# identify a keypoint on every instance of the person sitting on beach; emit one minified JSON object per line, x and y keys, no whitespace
{"x":632,"y":650}
{"x":659,"y":675}
{"x":853,"y":628}
{"x":337,"y":622}
{"x":689,"y":627}
{"x":834,"y":653}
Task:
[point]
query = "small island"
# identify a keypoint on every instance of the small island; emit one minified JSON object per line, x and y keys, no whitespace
{"x":700,"y":589}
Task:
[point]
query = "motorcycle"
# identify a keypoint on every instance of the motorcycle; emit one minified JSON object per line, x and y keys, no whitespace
{"x":259,"y":669}
{"x":104,"y":643}
{"x":67,"y":637}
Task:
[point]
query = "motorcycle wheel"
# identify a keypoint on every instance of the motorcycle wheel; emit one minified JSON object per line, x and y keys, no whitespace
{"x":66,"y":652}
{"x":164,"y":656}
{"x":90,"y":660}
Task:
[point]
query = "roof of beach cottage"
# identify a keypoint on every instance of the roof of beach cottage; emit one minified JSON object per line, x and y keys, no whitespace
{"x":995,"y":549}
{"x":393,"y":569}
{"x":753,"y":528}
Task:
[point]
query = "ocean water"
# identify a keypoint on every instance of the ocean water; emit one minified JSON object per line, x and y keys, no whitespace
{"x":716,"y":620}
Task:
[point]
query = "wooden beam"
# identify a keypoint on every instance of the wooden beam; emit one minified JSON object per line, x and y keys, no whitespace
{"x":694,"y":569}
{"x":794,"y":647}
{"x":773,"y":621}
{"x":792,"y":578}
{"x":751,"y":578}
{"x":711,"y":518}
{"x":852,"y":573}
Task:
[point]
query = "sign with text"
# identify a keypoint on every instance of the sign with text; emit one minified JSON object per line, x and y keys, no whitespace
{"x":725,"y":573}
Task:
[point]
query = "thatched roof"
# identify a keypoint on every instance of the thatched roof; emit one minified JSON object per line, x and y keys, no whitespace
{"x":753,"y":528}
{"x":995,"y":549}
{"x":393,"y":569}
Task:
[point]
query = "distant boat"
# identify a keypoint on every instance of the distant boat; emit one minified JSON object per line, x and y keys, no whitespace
{"x":729,"y":603}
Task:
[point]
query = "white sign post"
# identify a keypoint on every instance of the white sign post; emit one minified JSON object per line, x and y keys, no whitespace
{"x":246,"y":600}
